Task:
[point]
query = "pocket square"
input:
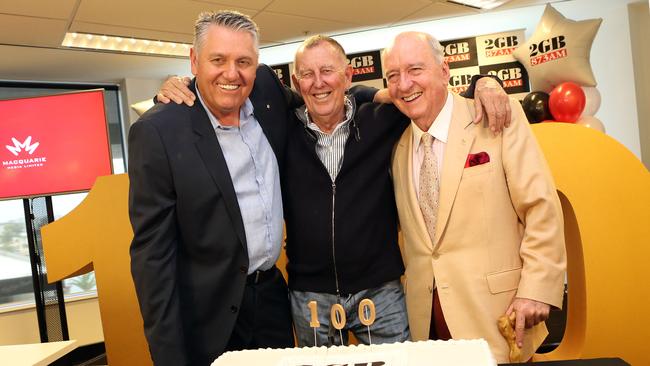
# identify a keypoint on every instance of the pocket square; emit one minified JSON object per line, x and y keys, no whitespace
{"x":477,"y":159}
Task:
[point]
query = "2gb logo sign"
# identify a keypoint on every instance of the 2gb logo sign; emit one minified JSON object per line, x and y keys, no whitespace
{"x":548,"y":50}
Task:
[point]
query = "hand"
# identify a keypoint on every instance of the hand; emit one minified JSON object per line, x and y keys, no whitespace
{"x":175,"y":89}
{"x":489,"y":97}
{"x":528,"y":314}
{"x":382,"y":96}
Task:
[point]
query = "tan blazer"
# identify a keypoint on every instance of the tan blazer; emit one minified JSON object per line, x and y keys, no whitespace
{"x":499,"y":232}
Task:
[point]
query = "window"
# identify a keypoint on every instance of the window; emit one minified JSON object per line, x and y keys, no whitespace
{"x":15,"y":268}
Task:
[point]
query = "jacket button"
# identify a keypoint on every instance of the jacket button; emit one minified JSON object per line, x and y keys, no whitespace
{"x":435,"y":255}
{"x":243,"y":269}
{"x":233,"y":309}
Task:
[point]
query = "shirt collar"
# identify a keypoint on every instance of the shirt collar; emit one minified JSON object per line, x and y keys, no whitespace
{"x":245,"y":112}
{"x":440,"y":126}
{"x":349,"y":106}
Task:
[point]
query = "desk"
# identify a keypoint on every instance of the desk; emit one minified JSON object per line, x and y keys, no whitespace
{"x":36,"y":354}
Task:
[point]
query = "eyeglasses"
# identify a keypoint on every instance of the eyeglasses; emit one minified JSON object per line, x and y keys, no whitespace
{"x":310,"y":75}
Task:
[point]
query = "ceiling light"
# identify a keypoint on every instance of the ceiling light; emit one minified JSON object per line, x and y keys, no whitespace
{"x":480,"y":4}
{"x":115,"y":44}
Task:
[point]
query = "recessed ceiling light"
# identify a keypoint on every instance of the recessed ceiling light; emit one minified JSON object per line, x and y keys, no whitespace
{"x":480,"y":4}
{"x":115,"y":44}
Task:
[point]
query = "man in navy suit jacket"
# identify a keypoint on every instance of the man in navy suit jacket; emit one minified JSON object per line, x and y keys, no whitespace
{"x":205,"y":204}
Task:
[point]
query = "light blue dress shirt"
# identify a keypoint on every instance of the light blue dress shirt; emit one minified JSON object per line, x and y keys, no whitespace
{"x":254,"y":171}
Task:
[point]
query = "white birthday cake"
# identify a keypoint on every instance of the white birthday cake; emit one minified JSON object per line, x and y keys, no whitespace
{"x":440,"y":353}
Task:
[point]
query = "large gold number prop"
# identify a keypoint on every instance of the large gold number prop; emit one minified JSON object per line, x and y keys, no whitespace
{"x":97,"y":234}
{"x":605,"y":194}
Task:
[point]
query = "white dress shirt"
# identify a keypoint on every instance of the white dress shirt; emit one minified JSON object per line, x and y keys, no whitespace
{"x":439,"y":130}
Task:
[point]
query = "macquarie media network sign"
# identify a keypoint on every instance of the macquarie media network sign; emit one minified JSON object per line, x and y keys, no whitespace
{"x":53,"y":144}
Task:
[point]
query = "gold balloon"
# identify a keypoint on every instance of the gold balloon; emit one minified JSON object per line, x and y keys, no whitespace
{"x":559,"y":51}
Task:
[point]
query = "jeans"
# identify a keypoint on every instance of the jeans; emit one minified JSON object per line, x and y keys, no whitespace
{"x":391,"y":321}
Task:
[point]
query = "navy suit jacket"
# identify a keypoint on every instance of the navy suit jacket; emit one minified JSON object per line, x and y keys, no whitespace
{"x":188,"y":256}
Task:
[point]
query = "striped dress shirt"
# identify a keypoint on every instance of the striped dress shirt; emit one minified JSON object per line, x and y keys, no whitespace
{"x":330,"y":147}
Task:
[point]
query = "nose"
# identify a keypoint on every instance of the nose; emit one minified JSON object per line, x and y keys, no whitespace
{"x":405,"y":82}
{"x":230,"y":71}
{"x":318,"y":80}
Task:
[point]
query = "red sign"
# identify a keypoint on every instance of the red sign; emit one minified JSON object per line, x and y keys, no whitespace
{"x":53,"y":144}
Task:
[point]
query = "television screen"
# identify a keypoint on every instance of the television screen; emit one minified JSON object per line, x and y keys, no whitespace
{"x":53,"y":144}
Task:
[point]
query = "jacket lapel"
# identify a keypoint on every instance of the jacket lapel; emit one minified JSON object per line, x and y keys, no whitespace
{"x":404,"y":169}
{"x":459,"y":142}
{"x":215,"y":162}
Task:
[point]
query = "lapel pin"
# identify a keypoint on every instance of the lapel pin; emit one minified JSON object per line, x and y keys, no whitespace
{"x":268,"y":106}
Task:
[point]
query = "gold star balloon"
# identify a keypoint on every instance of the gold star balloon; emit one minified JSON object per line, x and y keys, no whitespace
{"x":559,"y":51}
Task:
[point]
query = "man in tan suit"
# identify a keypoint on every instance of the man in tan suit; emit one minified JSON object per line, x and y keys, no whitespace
{"x":481,"y":219}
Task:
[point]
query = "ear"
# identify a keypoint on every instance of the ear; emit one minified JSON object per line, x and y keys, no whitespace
{"x":445,"y":66}
{"x":445,"y":70}
{"x":296,"y":84}
{"x":194,"y":61}
{"x":349,"y":71}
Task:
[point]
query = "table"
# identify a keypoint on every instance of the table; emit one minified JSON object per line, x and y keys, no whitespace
{"x":587,"y":362}
{"x":35,"y":354}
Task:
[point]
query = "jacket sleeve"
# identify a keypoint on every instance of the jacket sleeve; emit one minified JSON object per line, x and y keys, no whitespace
{"x":363,"y":94}
{"x":535,"y":200}
{"x":153,"y":249}
{"x":469,"y":93}
{"x":366,"y":94}
{"x":294,"y":100}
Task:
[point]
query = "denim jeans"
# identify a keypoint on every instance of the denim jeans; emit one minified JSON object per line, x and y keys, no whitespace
{"x":391,"y":321}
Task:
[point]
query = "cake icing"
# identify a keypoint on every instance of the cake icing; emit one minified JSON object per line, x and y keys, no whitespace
{"x":440,"y":353}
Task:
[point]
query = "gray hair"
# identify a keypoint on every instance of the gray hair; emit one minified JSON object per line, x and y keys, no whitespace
{"x":224,"y":18}
{"x":316,"y":40}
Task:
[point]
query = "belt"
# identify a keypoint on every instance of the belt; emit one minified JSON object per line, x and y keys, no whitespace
{"x":260,"y":276}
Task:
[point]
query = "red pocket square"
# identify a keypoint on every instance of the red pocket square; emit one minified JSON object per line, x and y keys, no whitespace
{"x":477,"y":159}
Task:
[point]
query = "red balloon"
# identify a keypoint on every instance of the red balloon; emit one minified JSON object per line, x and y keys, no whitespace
{"x":566,"y":102}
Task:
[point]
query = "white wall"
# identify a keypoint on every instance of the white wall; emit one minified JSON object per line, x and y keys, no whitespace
{"x":611,"y":54}
{"x":639,"y":31}
{"x":137,"y":90}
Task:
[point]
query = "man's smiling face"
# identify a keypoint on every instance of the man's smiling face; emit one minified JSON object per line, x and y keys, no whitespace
{"x":322,"y":76}
{"x":417,"y":82}
{"x":225,"y":65}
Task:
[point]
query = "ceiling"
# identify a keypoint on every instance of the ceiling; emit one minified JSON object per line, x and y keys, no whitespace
{"x":31,"y":31}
